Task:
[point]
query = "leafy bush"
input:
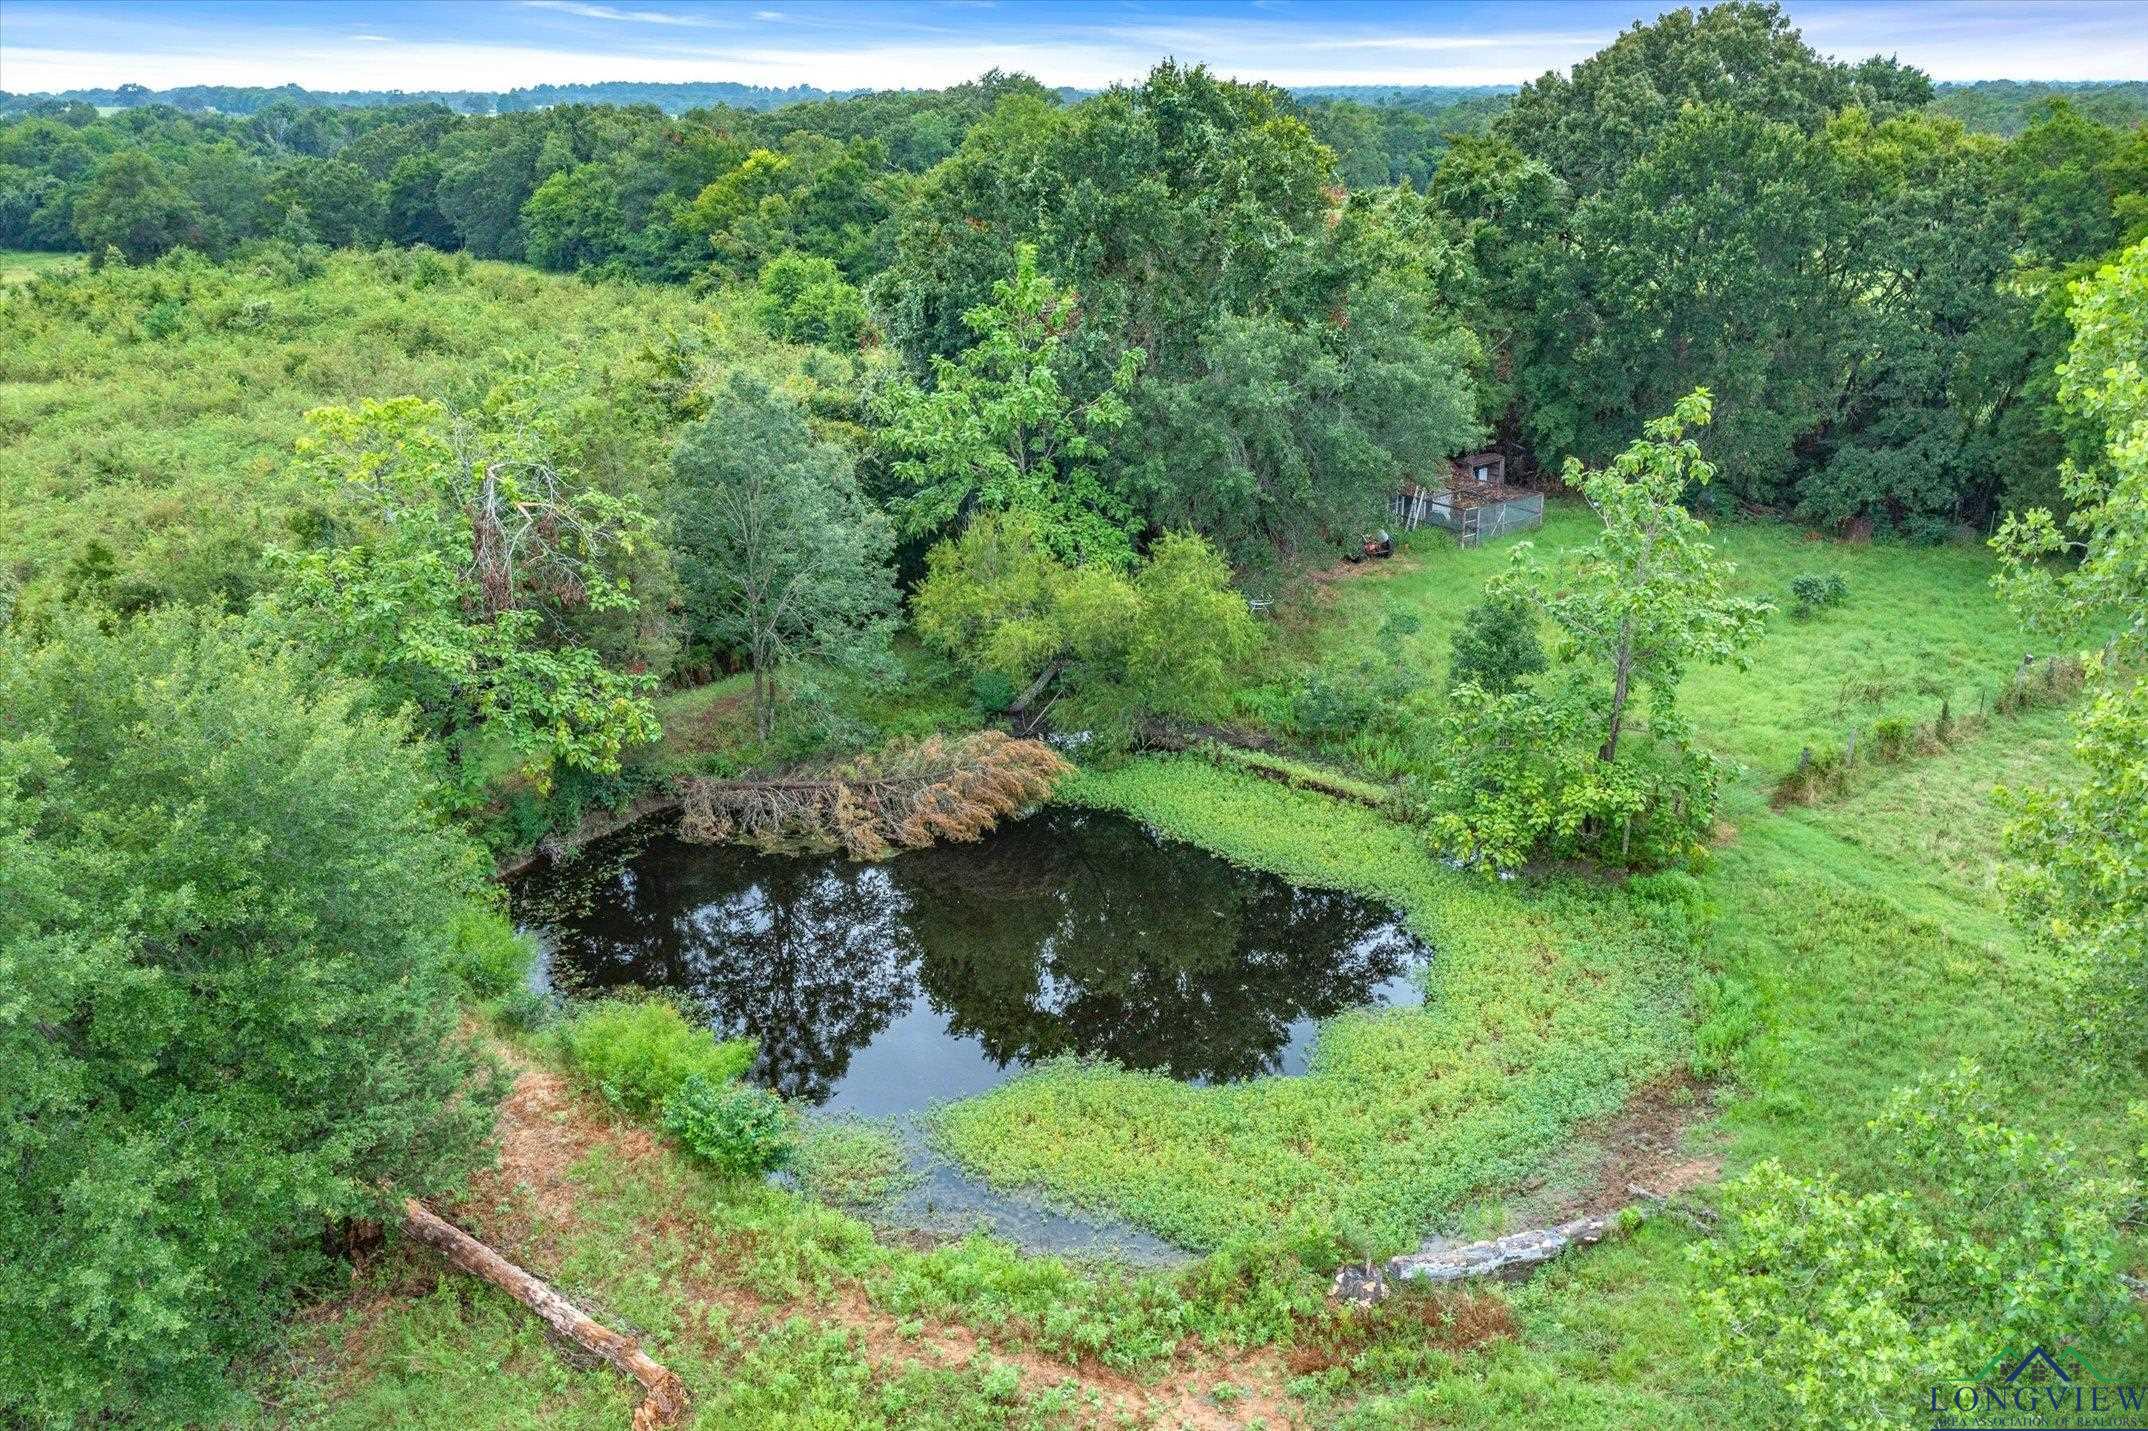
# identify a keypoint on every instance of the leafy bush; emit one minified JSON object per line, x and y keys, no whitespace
{"x":1840,"y":1304}
{"x":1810,"y":591}
{"x":743,"y":1130}
{"x":638,"y":1052}
{"x":230,"y":1017}
{"x":1330,"y":706}
{"x":1496,"y":647}
{"x":1520,"y":778}
{"x":1891,"y":738}
{"x":991,"y":693}
{"x":488,"y":956}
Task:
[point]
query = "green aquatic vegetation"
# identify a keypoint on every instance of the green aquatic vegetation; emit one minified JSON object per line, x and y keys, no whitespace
{"x":851,"y":1162}
{"x":1545,"y":1006}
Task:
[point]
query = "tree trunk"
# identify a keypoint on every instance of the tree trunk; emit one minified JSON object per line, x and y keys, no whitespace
{"x":663,"y":1394}
{"x":1036,"y":688}
{"x":1620,"y":681}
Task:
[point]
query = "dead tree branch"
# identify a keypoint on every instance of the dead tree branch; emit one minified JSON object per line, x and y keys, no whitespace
{"x":903,"y":797}
{"x":663,"y":1399}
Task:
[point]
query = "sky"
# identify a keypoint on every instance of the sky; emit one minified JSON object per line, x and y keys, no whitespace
{"x":894,"y":44}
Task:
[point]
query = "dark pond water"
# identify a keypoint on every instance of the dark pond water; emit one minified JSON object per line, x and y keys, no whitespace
{"x":879,"y":988}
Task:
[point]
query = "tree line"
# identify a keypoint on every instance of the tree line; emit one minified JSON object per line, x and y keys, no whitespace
{"x":1873,"y":291}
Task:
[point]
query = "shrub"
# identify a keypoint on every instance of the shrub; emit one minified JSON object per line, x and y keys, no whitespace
{"x":1519,"y":778}
{"x":742,"y":1130}
{"x":229,"y":1021}
{"x":638,"y":1052}
{"x":1810,"y":591}
{"x":488,"y":956}
{"x":991,"y":693}
{"x":1496,"y":648}
{"x":1891,"y":738}
{"x":1838,"y":1302}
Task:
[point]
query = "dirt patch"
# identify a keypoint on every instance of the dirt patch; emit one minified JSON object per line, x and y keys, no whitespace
{"x":1346,"y":570}
{"x":1643,"y":1146}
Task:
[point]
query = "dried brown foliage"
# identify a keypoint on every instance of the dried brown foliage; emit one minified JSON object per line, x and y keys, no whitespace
{"x":1452,"y":1321}
{"x":902,"y":797}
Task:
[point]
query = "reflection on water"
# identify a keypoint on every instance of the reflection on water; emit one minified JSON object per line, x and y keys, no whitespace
{"x":878,"y":988}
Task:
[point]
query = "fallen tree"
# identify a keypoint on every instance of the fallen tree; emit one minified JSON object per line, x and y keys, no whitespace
{"x":663,"y":1399}
{"x":903,"y":797}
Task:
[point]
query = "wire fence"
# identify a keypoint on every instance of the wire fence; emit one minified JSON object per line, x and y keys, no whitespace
{"x":1471,"y":522}
{"x":1828,"y":773}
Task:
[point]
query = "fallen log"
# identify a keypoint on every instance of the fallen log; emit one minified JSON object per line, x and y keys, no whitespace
{"x":663,"y":1399}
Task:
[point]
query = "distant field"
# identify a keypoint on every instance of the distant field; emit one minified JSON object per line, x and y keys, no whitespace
{"x":153,"y":410}
{"x":21,"y":265}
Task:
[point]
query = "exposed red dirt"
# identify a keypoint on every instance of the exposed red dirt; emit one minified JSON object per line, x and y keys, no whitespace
{"x":526,"y":1207}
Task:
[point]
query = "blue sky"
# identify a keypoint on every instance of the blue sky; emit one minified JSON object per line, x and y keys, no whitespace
{"x":499,"y":44}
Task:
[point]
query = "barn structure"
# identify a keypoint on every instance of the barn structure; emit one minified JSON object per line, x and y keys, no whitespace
{"x":1474,"y":502}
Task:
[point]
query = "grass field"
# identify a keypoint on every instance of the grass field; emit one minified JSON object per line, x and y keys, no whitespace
{"x":1919,"y":626}
{"x":19,"y":266}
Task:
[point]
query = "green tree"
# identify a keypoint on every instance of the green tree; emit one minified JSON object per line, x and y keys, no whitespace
{"x":780,"y":555}
{"x":1298,"y":355}
{"x":131,"y":205}
{"x":804,"y":299}
{"x":2084,"y":895}
{"x":1163,"y":641}
{"x":411,"y":203}
{"x":341,"y":202}
{"x":572,"y":221}
{"x":465,"y":550}
{"x":1840,"y":1302}
{"x":1496,"y":647}
{"x":999,"y":431}
{"x":229,"y":1020}
{"x":1649,"y":596}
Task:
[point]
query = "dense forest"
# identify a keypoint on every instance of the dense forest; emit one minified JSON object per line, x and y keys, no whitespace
{"x":400,"y":488}
{"x":1889,"y":369}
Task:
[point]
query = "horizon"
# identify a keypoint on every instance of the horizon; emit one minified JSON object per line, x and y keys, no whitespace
{"x":492,"y":46}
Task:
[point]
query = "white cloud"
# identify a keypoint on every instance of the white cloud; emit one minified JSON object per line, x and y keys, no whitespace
{"x":608,"y":12}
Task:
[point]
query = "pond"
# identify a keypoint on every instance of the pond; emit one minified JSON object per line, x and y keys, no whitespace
{"x":878,"y":989}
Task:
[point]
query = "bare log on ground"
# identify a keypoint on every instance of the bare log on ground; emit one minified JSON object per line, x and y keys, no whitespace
{"x":663,"y":1399}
